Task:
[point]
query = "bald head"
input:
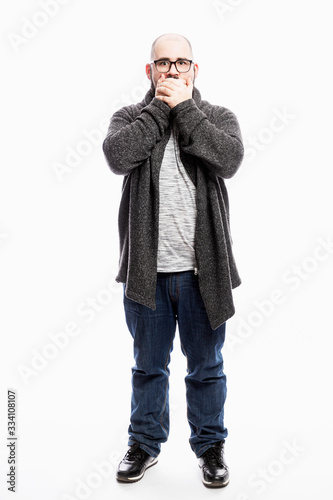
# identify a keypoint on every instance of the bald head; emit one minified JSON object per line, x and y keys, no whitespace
{"x":171,"y":47}
{"x":170,"y":38}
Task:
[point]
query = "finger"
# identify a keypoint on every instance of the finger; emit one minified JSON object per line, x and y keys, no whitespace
{"x":163,"y":98}
{"x":172,"y":84}
{"x":162,"y":90}
{"x":161,"y":79}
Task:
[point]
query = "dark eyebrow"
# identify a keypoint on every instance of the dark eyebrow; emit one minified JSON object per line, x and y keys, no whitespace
{"x":168,"y":58}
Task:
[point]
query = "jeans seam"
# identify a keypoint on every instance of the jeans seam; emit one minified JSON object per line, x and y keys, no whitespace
{"x":171,"y":278}
{"x":187,"y":412}
{"x":166,"y":387}
{"x":170,"y":287}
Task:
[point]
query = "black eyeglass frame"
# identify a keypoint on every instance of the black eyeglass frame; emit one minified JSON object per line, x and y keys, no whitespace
{"x":171,"y":63}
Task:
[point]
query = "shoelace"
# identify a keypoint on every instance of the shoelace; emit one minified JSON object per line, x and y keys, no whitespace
{"x":135,"y":453}
{"x":214,"y":456}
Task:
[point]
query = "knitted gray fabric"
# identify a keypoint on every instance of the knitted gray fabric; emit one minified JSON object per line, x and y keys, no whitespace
{"x":211,"y":150}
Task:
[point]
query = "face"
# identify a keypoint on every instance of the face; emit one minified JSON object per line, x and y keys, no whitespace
{"x":172,"y":50}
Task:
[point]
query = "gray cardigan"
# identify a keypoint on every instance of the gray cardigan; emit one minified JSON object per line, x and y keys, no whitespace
{"x":211,"y":150}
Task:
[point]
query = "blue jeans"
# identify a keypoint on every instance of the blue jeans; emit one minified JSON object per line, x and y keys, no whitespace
{"x":178,"y":299}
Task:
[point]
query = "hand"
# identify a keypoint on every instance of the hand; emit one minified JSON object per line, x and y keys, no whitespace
{"x":173,"y":91}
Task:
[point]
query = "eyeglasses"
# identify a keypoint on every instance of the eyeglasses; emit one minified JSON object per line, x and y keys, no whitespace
{"x":181,"y":65}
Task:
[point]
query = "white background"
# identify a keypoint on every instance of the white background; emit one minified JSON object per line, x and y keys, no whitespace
{"x":61,"y":82}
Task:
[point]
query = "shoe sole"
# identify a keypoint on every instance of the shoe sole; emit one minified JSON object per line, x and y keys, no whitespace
{"x":215,"y":485}
{"x":136,"y":478}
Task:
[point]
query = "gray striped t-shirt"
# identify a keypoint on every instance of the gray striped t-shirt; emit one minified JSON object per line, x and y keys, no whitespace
{"x":177,"y":213}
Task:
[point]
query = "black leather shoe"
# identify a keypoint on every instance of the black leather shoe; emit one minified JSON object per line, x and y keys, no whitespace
{"x":215,"y":473}
{"x":134,"y":464}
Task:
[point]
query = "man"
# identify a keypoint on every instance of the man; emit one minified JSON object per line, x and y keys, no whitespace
{"x":174,"y":150}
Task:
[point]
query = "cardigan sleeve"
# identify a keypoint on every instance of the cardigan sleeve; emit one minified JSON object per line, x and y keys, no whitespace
{"x":212,"y":136}
{"x":131,"y":137}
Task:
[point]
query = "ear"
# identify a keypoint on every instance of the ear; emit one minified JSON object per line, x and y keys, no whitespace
{"x":148,"y":71}
{"x":196,"y":70}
